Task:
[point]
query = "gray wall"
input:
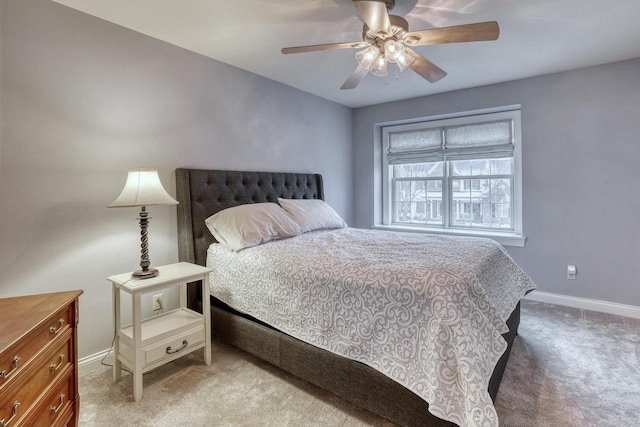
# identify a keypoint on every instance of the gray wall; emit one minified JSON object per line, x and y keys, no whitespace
{"x":84,"y":101}
{"x":581,"y":173}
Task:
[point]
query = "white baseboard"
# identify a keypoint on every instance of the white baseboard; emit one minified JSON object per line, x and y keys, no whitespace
{"x":92,"y":363}
{"x":586,"y":304}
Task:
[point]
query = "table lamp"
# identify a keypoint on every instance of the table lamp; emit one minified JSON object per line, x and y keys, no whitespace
{"x":143,"y":188}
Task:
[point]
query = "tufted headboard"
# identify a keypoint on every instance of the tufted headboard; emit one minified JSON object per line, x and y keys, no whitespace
{"x":202,"y":193}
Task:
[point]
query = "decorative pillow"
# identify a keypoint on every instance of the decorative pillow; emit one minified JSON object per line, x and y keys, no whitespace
{"x":312,"y":214}
{"x":250,"y":225}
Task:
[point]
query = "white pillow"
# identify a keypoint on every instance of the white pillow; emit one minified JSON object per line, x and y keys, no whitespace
{"x":245,"y":226}
{"x":312,"y":214}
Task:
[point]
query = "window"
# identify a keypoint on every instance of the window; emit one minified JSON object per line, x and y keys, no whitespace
{"x":460,"y":175}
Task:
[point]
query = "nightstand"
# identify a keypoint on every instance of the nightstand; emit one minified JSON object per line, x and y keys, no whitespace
{"x":149,"y":343}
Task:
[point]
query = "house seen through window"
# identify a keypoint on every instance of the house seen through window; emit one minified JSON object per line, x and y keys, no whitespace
{"x":461,"y":173}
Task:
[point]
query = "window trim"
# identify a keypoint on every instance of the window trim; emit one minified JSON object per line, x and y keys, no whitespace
{"x":513,"y":237}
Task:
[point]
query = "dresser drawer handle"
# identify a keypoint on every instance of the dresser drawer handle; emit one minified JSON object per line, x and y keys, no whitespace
{"x":53,"y":367}
{"x":4,"y":374}
{"x":55,"y":409}
{"x":53,"y":330}
{"x":185,"y":343}
{"x":4,"y":423}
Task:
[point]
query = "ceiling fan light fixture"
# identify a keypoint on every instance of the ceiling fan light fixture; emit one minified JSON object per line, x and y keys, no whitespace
{"x":367,"y":56}
{"x":393,"y":50}
{"x":386,"y":38}
{"x":404,"y":61}
{"x":379,"y":67}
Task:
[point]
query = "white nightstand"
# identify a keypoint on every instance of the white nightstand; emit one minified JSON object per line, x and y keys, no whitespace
{"x":148,"y":343}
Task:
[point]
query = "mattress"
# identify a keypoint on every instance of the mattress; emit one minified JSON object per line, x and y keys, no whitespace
{"x":427,"y":311}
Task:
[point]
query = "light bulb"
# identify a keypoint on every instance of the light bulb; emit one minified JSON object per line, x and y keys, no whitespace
{"x":367,"y":56}
{"x":379,"y":67}
{"x":393,"y":50}
{"x":404,"y":61}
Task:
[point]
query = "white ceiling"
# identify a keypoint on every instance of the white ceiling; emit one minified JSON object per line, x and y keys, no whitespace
{"x":536,"y":37}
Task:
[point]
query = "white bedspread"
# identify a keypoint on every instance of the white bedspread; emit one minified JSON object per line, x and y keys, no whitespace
{"x":428,"y":311}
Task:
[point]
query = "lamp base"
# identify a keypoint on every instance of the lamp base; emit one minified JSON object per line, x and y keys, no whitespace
{"x":145,"y":274}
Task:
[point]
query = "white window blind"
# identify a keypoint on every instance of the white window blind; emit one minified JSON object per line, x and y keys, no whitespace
{"x":463,"y":142}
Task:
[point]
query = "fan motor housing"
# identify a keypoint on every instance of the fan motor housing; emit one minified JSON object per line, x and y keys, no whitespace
{"x":399,"y":27}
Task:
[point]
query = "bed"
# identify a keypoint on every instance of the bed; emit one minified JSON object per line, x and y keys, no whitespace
{"x":202,"y":193}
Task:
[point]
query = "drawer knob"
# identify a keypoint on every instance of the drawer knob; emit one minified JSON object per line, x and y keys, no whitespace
{"x":53,"y":367}
{"x":4,"y":423}
{"x":55,"y":409}
{"x":53,"y":330}
{"x":4,"y":374}
{"x":185,"y":343}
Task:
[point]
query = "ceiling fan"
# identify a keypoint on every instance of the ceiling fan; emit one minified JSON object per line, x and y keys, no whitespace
{"x":386,"y":38}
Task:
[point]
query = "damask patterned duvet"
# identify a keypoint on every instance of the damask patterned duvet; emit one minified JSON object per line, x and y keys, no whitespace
{"x":428,"y":311}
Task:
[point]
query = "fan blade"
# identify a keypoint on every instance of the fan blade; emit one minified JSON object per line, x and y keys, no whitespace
{"x":328,"y":46}
{"x":355,"y":78}
{"x":482,"y":31}
{"x":427,"y":69}
{"x":374,"y":13}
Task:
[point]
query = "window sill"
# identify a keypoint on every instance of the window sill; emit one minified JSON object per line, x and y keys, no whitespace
{"x":505,"y":239}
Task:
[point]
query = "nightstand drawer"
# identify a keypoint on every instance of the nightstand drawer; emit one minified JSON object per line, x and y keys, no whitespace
{"x":158,"y":350}
{"x":174,"y":345}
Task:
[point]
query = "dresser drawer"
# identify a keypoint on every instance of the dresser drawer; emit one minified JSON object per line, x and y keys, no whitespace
{"x":11,"y":363}
{"x":50,"y":365}
{"x":67,"y":418}
{"x":55,"y":407}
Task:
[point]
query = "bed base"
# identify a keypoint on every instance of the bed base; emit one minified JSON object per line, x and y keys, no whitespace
{"x":348,"y":379}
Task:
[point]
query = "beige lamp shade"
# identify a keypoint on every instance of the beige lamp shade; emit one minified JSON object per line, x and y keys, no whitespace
{"x":143,"y":188}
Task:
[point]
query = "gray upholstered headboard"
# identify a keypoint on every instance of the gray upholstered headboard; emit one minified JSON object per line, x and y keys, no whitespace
{"x":202,"y":193}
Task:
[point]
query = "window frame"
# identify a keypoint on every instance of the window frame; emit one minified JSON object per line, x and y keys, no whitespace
{"x":511,"y":237}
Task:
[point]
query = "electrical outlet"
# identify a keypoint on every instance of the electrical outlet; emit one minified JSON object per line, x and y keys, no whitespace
{"x":157,"y":302}
{"x":571,"y":272}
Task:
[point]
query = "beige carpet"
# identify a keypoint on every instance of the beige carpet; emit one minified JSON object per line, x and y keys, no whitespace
{"x":568,"y":367}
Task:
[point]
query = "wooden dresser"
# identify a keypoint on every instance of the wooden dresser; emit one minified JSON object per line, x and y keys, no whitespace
{"x":38,"y":360}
